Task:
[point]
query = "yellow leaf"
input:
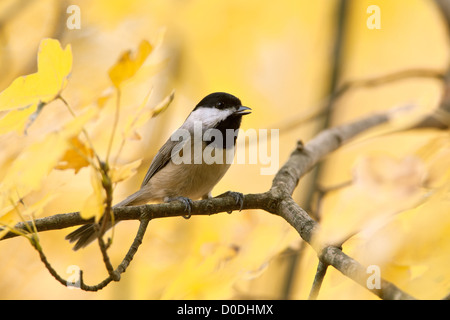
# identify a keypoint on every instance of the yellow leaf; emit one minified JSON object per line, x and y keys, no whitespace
{"x":382,"y":186}
{"x":16,"y":120}
{"x":94,"y":205}
{"x":35,"y":162}
{"x":11,"y":214}
{"x":103,"y":99}
{"x":34,"y":116}
{"x":163,"y":105}
{"x":124,"y":172}
{"x":143,"y":115}
{"x":385,"y":178}
{"x":54,"y":66}
{"x":77,"y":157}
{"x":131,"y":122}
{"x":8,"y":217}
{"x":135,"y":136}
{"x":36,"y":208}
{"x":204,"y":274}
{"x":128,"y":65}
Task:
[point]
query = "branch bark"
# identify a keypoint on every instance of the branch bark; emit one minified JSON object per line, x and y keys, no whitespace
{"x":277,"y":201}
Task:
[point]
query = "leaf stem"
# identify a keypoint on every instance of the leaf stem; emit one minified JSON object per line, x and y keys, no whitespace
{"x":115,"y":123}
{"x":85,"y":133}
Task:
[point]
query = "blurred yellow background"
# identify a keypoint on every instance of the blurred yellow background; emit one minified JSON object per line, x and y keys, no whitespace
{"x":276,"y":56}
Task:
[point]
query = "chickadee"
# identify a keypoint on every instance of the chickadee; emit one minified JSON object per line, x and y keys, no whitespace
{"x":169,"y":178}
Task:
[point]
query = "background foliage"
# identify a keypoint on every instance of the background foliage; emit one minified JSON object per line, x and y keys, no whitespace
{"x":277,"y":57}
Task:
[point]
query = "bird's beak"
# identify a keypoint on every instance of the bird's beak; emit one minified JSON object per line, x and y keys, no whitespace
{"x":242,"y":111}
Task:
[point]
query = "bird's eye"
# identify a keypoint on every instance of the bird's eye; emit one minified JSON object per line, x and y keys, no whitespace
{"x":219,"y":104}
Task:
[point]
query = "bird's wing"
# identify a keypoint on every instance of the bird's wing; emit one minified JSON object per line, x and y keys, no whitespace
{"x":162,"y":158}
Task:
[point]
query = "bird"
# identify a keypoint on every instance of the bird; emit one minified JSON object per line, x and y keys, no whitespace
{"x":178,"y":171}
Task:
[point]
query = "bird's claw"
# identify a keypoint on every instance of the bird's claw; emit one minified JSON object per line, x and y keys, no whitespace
{"x":237,"y":196}
{"x":187,"y":205}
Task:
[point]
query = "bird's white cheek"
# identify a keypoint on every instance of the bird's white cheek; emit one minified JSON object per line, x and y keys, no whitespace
{"x":208,"y":116}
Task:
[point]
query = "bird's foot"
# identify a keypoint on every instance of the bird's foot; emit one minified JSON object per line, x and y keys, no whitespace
{"x":237,"y":196}
{"x":187,"y":204}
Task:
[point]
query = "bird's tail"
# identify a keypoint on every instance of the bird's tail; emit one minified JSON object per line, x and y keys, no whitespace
{"x":84,"y":235}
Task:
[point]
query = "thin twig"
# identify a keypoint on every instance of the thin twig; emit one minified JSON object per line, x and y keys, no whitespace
{"x":323,"y":107}
{"x":336,"y":67}
{"x":114,"y":275}
{"x":106,"y":260}
{"x":318,"y":279}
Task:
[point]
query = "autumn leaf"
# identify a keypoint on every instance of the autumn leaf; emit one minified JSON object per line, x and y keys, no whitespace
{"x":385,"y":178}
{"x":202,"y":274}
{"x":17,"y":120}
{"x":54,"y":67}
{"x":128,"y":64}
{"x":35,"y":161}
{"x":120,"y":173}
{"x":163,"y":105}
{"x":382,"y":186}
{"x":143,"y":115}
{"x":103,"y":99}
{"x":9,"y":213}
{"x":436,"y":154}
{"x":34,"y":116}
{"x":8,"y":216}
{"x":76,"y":157}
{"x":94,"y":205}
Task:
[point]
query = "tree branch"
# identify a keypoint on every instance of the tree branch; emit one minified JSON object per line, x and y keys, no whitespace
{"x":277,"y":200}
{"x":152,"y":211}
{"x":318,"y":279}
{"x":304,"y":158}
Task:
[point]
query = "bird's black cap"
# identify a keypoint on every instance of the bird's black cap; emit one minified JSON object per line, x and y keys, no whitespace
{"x":219,"y":100}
